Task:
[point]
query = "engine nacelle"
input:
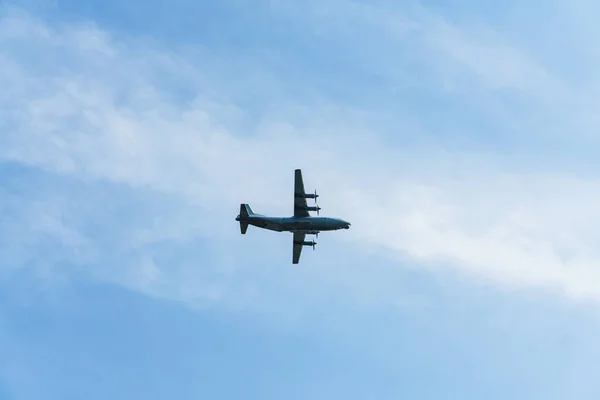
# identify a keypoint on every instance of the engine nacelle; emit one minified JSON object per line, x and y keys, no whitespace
{"x":311,"y":208}
{"x":308,"y":195}
{"x":307,"y":243}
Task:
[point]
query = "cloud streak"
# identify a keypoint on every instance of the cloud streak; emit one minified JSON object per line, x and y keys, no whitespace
{"x":98,"y":111}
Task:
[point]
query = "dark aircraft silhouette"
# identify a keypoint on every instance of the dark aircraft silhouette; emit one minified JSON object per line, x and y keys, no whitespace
{"x":300,"y":224}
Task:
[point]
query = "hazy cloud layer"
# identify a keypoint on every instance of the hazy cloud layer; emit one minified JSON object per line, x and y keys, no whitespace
{"x":91,"y":107}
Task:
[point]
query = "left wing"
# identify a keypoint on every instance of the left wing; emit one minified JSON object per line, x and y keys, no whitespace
{"x":300,"y":205}
{"x":298,"y":244}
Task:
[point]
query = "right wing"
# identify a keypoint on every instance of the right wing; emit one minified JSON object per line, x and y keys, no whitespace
{"x":298,"y":244}
{"x":300,"y":204}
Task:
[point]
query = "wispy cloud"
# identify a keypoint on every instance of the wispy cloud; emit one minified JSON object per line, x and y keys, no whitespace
{"x":97,"y":110}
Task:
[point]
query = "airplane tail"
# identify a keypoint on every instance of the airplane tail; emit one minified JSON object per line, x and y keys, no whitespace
{"x":245,"y":211}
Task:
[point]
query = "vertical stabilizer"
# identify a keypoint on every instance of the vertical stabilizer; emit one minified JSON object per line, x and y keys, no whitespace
{"x":245,"y":210}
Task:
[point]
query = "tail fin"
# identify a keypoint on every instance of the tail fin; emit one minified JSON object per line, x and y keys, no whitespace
{"x":245,"y":211}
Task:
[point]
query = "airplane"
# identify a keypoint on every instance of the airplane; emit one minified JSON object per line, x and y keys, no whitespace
{"x":301,"y":224}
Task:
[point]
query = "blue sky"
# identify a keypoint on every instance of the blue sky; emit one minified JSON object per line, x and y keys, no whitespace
{"x":460,"y":140}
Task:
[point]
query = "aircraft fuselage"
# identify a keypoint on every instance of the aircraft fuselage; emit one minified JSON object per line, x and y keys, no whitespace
{"x":295,"y":224}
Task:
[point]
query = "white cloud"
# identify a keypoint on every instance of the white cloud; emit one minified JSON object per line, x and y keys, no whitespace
{"x":437,"y":209}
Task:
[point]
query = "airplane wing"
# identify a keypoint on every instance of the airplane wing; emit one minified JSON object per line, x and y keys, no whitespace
{"x":298,"y":240}
{"x":299,"y":199}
